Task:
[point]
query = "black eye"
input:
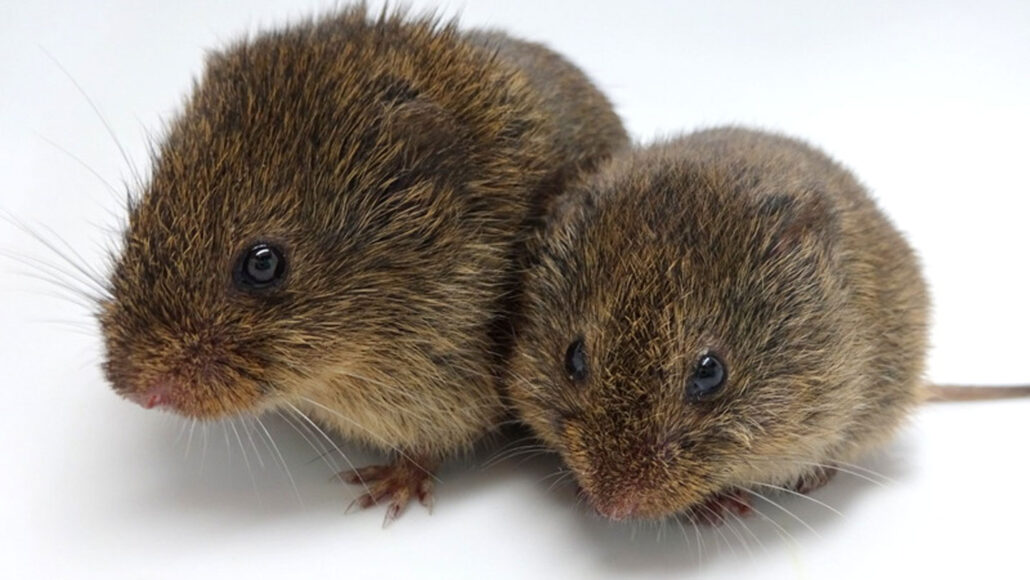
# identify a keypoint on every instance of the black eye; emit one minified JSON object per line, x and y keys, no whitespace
{"x":576,"y":360}
{"x":708,"y":376}
{"x":261,"y":267}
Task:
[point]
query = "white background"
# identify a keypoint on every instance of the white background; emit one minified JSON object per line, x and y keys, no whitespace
{"x":929,"y":102}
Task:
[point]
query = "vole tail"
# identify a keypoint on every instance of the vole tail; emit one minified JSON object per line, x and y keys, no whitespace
{"x":948,"y":393}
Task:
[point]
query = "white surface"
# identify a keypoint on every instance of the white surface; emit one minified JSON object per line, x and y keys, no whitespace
{"x":929,"y":102}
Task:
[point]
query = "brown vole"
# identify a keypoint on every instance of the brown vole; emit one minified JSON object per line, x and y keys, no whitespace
{"x":721,"y":312}
{"x":332,"y":223}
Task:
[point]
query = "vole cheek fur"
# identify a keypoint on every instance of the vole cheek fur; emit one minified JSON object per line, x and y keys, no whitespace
{"x":747,"y":245}
{"x":398,"y":165}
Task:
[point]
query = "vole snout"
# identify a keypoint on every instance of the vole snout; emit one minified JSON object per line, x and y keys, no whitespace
{"x":622,"y":477}
{"x":620,"y":509}
{"x":196,"y":376}
{"x":154,"y":395}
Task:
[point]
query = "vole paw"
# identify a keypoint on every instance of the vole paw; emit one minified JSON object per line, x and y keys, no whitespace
{"x":814,"y":479}
{"x":398,"y":482}
{"x":715,"y":509}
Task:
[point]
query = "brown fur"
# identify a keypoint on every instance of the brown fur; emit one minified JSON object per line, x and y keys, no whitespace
{"x":399,"y":164}
{"x":753,"y":246}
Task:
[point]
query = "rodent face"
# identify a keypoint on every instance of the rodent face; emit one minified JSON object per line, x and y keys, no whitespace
{"x":285,"y":229}
{"x":673,"y":338}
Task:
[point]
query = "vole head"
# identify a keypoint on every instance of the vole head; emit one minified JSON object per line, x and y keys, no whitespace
{"x":294,"y":212}
{"x":680,"y":330}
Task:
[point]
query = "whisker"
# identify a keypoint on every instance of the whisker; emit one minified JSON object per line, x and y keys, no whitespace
{"x":182,"y":431}
{"x":72,"y":327}
{"x":564,"y":478}
{"x":374,"y":435}
{"x":848,"y":468}
{"x":61,"y":290}
{"x":54,"y":274}
{"x":282,"y":461}
{"x":718,"y":528}
{"x":81,"y":324}
{"x":531,"y":456}
{"x":228,"y":451}
{"x":747,"y":529}
{"x":107,"y":184}
{"x":515,"y":453}
{"x":701,"y":551}
{"x":334,"y":446}
{"x":312,"y":444}
{"x":90,"y":278}
{"x":784,"y":510}
{"x":736,"y":533}
{"x":853,"y":473}
{"x":836,"y":464}
{"x":189,"y":439}
{"x":62,"y":297}
{"x":798,"y":494}
{"x":249,"y":430}
{"x":333,"y":468}
{"x":782,"y":531}
{"x":203,"y":449}
{"x":555,"y":473}
{"x":107,"y":126}
{"x":82,"y":263}
{"x":243,"y":451}
{"x":507,"y":446}
{"x":683,"y":531}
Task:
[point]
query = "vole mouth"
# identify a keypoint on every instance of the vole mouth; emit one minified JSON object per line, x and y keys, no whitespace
{"x":158,"y":395}
{"x":618,"y":510}
{"x":710,"y":509}
{"x":167,"y":393}
{"x":629,"y":505}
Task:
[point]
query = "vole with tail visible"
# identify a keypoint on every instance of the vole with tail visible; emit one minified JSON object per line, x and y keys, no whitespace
{"x":333,"y":224}
{"x":720,"y":312}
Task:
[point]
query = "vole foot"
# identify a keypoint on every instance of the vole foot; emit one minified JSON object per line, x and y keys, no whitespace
{"x":715,"y":509}
{"x":398,"y":482}
{"x":814,"y":479}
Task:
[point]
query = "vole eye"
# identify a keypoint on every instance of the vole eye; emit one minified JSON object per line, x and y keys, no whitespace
{"x":708,"y":377}
{"x":576,"y":360}
{"x":261,"y":267}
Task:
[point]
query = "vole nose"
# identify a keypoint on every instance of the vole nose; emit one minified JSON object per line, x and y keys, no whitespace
{"x":158,"y":394}
{"x":619,"y":509}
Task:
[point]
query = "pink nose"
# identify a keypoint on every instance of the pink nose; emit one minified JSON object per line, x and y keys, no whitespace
{"x":619,"y":509}
{"x":157,"y":395}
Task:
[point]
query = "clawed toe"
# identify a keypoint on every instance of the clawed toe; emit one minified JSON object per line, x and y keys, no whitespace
{"x":814,"y":479}
{"x":397,"y":483}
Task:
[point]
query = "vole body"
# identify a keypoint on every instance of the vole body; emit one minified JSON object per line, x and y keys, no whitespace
{"x":717,"y":313}
{"x":332,"y":224}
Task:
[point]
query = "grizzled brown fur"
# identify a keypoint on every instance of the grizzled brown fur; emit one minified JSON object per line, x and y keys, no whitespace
{"x":748,"y":245}
{"x":397,"y":162}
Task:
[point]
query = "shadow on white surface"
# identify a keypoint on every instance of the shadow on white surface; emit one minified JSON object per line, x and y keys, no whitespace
{"x":214,"y":483}
{"x":780,"y":522}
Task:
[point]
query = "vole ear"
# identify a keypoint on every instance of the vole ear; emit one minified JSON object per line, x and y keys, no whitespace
{"x":425,"y":127}
{"x":568,"y":207}
{"x":430,"y":139}
{"x":796,"y":223}
{"x":554,"y":222}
